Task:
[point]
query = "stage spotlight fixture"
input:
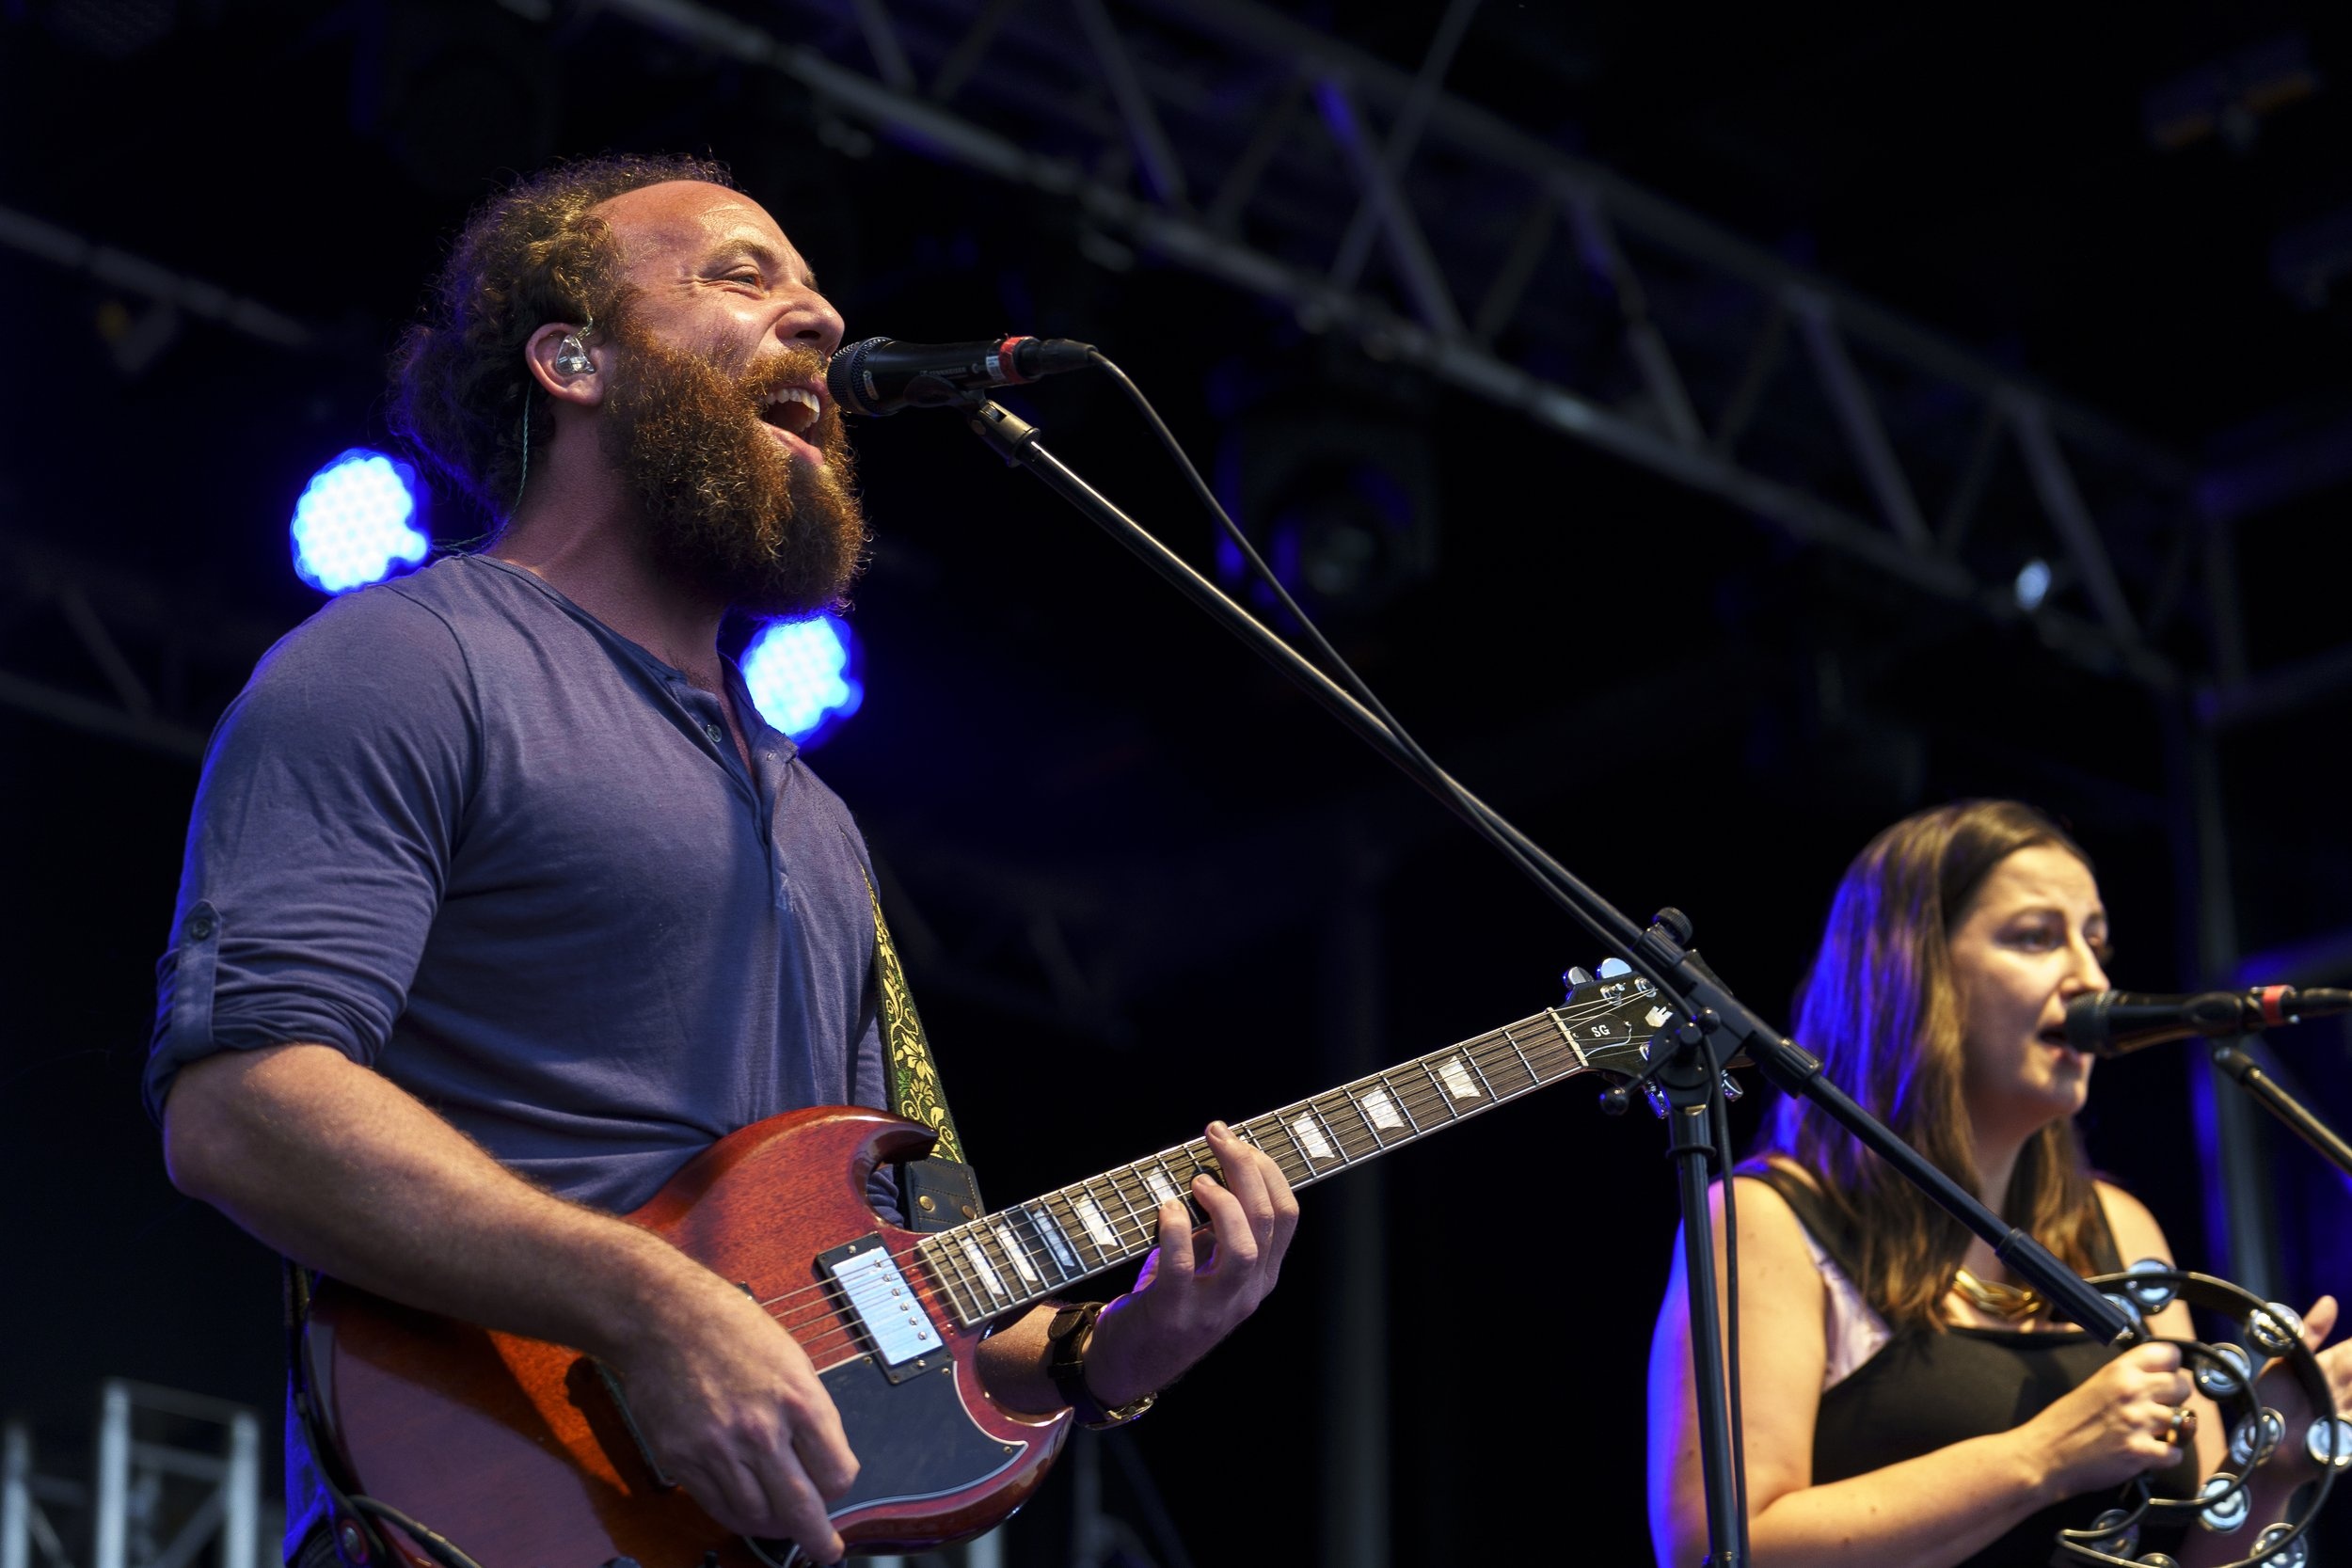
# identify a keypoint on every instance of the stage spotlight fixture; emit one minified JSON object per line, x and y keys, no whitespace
{"x":1345,"y":509}
{"x":2033,"y":585}
{"x":354,"y":523}
{"x":804,"y":676}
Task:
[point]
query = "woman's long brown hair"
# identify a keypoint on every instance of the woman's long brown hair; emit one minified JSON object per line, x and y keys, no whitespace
{"x":1881,"y":1010}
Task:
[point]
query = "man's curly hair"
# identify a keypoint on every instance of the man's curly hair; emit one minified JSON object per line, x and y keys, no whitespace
{"x":536,"y":253}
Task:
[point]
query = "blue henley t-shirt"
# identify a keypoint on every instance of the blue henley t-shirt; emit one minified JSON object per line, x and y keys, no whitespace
{"x":462,"y":831}
{"x":459,"y":830}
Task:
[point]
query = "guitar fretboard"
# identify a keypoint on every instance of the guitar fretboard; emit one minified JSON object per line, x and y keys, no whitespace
{"x":1021,"y":1255}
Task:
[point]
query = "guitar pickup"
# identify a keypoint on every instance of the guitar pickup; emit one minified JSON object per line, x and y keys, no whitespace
{"x":882,"y":1306}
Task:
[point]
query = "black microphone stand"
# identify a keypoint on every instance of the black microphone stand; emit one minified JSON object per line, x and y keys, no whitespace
{"x":1689,"y":1057}
{"x":2266,"y":1092}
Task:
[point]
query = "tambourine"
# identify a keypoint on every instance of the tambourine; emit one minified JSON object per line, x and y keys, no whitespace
{"x":2225,"y":1374}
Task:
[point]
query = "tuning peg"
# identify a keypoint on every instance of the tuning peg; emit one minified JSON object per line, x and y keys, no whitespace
{"x":1576,"y":977}
{"x":1611,"y":968}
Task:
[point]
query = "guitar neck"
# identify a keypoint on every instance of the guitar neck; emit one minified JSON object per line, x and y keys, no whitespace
{"x":1024,"y":1253}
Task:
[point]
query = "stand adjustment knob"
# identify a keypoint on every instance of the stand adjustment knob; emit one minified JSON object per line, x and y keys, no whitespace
{"x":1676,"y":924}
{"x":1731,"y":1088}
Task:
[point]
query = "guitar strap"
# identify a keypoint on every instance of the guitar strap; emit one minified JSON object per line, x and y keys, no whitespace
{"x":940,"y":1190}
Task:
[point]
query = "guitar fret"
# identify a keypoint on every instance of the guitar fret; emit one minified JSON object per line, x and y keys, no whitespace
{"x":1392,"y":1098}
{"x":1132,"y":1218}
{"x":1338,"y":1143}
{"x":982,"y":1265}
{"x":1098,"y":1228}
{"x":1326,"y":1107}
{"x":1308,"y":1137}
{"x":1471,"y":1057}
{"x":1058,"y":1248}
{"x":1021,"y":1263}
{"x":1444,"y":1099}
{"x":1161,"y":1185}
{"x":974,"y":1288}
{"x":1148,"y":1216}
{"x":1534,"y":1080}
{"x":1305,"y":1165}
{"x":1024,"y":1246}
{"x":1355,"y":1103}
{"x":961,"y":1296}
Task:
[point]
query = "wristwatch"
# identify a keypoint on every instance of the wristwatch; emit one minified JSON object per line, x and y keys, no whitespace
{"x":1073,"y":1330}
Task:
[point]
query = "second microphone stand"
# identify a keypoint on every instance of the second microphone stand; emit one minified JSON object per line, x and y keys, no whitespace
{"x":2239,"y":1065}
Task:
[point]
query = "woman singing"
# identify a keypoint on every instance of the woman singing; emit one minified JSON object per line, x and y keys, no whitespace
{"x":1908,"y":1405}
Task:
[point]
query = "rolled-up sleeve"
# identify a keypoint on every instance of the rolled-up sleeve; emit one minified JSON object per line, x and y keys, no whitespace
{"x":333,"y":793}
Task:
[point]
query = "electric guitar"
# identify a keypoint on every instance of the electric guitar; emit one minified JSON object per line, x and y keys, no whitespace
{"x":522,"y":1454}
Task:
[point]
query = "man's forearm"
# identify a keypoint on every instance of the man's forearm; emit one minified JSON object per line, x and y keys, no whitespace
{"x":342,"y":1170}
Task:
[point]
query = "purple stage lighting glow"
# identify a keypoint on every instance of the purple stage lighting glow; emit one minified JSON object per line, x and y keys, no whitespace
{"x":354,"y":524}
{"x":804,"y":676}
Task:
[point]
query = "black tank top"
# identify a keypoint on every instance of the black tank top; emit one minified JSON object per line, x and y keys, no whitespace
{"x":1926,"y":1390}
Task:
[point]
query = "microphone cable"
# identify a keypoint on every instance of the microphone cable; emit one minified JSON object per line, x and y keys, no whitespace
{"x":1585,"y":906}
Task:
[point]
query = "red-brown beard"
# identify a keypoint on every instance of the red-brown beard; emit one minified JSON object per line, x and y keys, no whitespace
{"x":727,"y":508}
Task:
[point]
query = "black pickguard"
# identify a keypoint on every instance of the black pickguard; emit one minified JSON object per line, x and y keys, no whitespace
{"x":913,"y":1441}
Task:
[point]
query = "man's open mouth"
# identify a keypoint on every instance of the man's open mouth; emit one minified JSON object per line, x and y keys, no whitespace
{"x":793,"y":408}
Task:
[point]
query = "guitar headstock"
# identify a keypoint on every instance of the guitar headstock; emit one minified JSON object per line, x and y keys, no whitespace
{"x":1613,"y":1017}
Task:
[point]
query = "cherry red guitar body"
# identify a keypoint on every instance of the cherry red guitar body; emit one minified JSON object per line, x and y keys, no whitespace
{"x":520,"y":1452}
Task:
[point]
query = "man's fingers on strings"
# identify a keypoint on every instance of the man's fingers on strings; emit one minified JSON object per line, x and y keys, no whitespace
{"x":1176,"y":1254}
{"x":1235,"y":1238}
{"x":1239,"y":1161}
{"x":798,"y":1512}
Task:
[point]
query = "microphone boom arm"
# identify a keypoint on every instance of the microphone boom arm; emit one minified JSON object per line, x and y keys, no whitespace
{"x":1716,"y":1025}
{"x":1661,"y":950}
{"x":2241,"y":1068}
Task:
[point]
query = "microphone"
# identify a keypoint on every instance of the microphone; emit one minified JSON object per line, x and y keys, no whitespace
{"x":2115,"y":1023}
{"x":881,"y":375}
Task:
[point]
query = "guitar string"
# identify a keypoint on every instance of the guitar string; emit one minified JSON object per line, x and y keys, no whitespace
{"x":1133,"y":1235}
{"x":834,"y":1331}
{"x":1423,"y":1097}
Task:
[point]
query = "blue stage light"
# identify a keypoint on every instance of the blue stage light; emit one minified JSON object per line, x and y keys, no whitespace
{"x":354,"y":526}
{"x":804,"y":676}
{"x":2033,"y":585}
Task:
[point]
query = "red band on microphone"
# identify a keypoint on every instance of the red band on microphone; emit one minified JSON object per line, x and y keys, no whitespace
{"x":1005,"y":366}
{"x":2274,"y":1003}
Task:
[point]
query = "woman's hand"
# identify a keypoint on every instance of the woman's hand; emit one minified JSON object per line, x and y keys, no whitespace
{"x":2279,"y":1389}
{"x":2114,"y":1426}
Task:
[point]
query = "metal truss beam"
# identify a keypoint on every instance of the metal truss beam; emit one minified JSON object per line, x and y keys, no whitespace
{"x":171,"y":296}
{"x":109,"y":653}
{"x":1520,"y":275}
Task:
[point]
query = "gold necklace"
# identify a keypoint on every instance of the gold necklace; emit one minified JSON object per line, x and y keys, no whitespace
{"x":2002,"y":1301}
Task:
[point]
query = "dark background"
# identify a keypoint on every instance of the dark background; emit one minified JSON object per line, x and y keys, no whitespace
{"x":1682,"y":704}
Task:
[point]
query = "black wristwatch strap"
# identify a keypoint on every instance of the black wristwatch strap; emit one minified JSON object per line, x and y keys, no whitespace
{"x":1072,"y":1331}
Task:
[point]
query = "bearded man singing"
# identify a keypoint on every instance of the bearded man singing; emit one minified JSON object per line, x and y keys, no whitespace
{"x":502,"y":902}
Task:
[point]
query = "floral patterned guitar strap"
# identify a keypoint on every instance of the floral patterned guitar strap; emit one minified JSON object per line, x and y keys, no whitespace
{"x":940,"y":1190}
